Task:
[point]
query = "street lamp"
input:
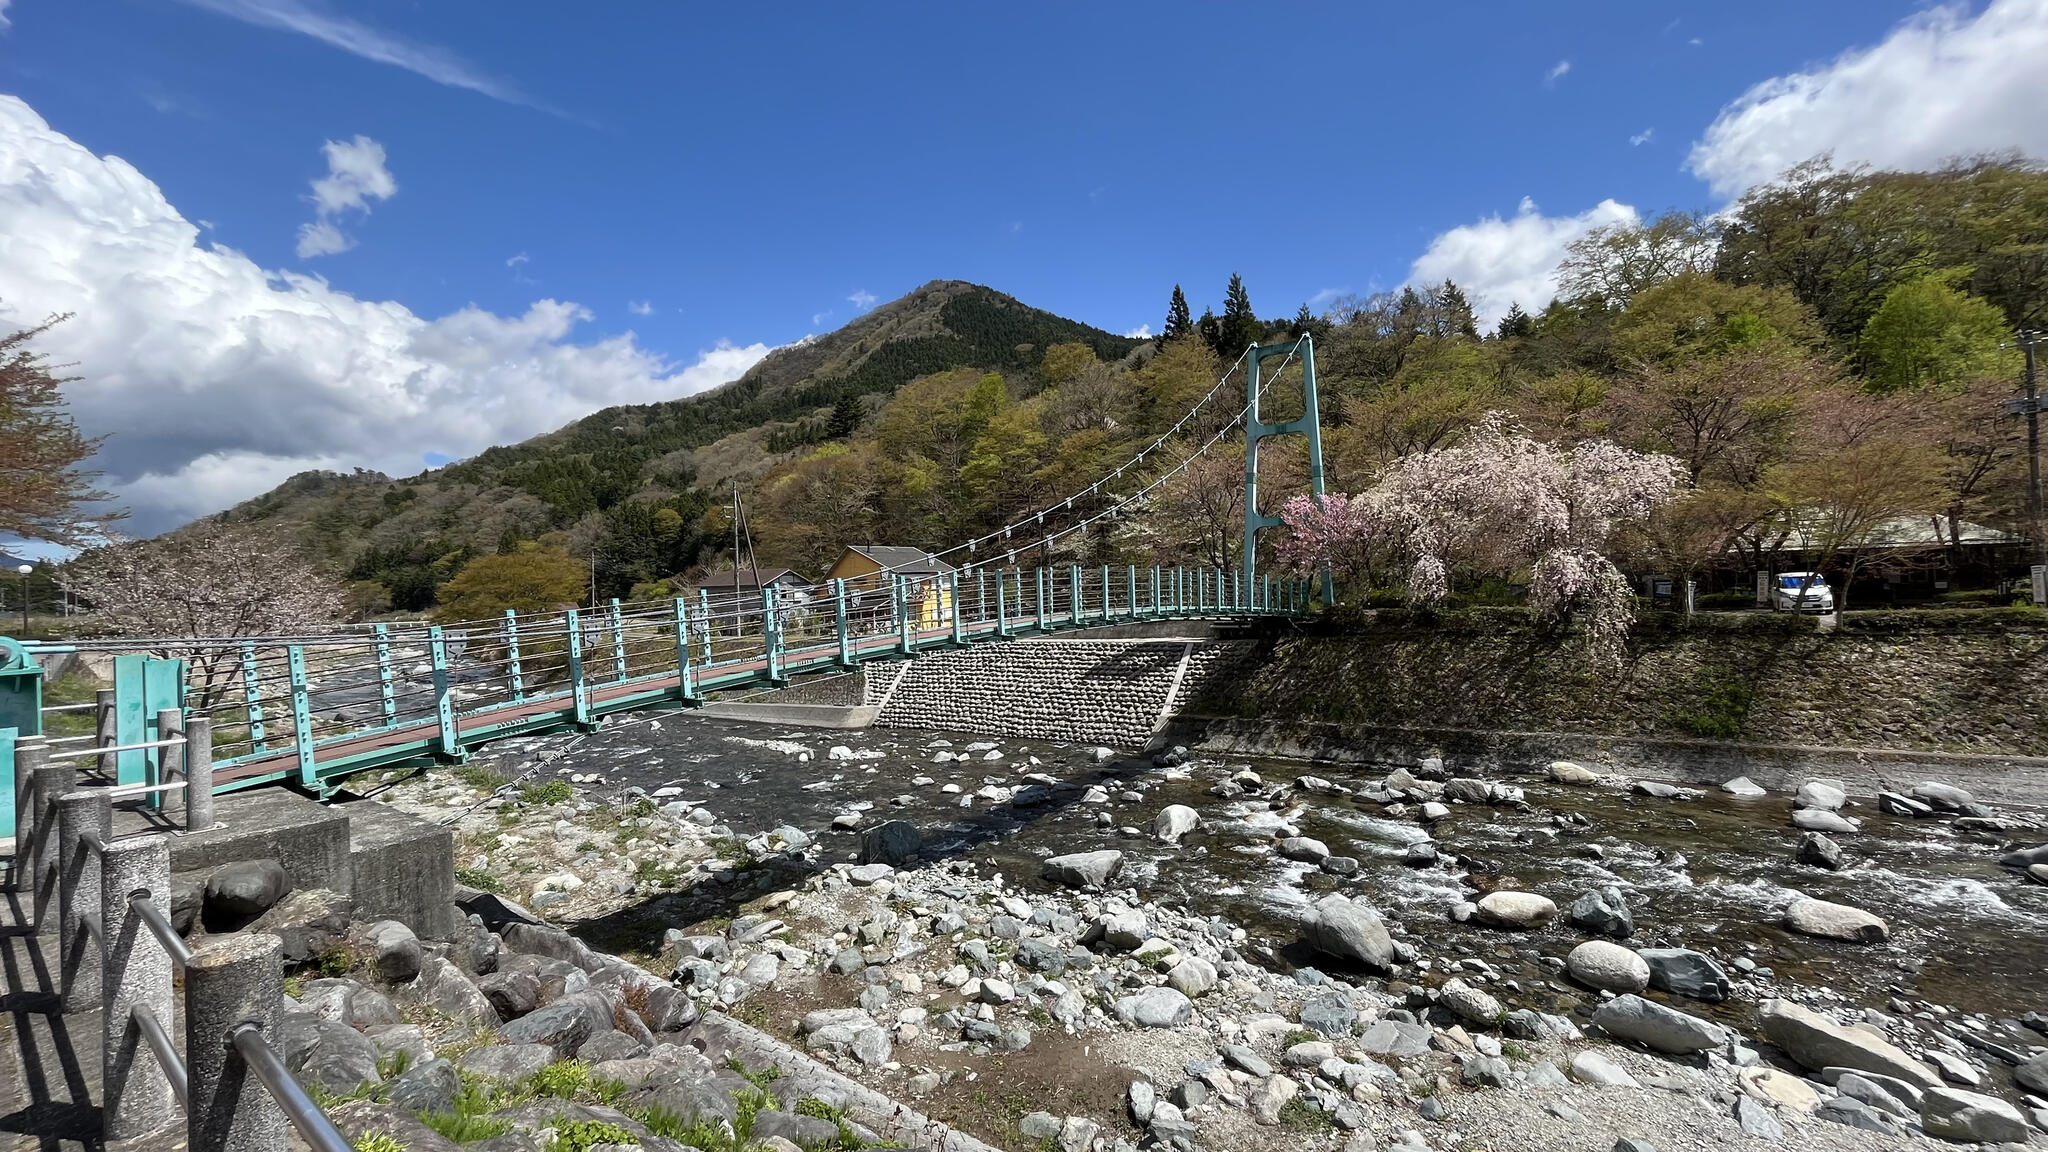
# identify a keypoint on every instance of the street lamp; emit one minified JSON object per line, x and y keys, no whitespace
{"x":24,"y":569}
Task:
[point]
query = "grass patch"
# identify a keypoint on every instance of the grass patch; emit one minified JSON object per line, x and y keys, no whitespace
{"x":563,"y":1079}
{"x":464,"y":1128}
{"x":377,"y":1142}
{"x":582,"y":1135}
{"x":1516,"y":1051}
{"x":479,"y":777}
{"x":480,"y":879}
{"x":550,"y":792}
{"x":1299,"y":1036}
{"x":695,"y":1132}
{"x":761,"y":1079}
{"x":1297,"y":1115}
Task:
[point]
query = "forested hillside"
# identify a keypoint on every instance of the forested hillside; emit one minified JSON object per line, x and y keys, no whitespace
{"x":1831,"y":353}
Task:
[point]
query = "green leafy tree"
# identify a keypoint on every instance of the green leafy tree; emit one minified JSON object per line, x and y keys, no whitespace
{"x":1177,"y":322}
{"x":1692,"y":315}
{"x":1928,"y":335}
{"x":1063,"y":362}
{"x":534,"y":581}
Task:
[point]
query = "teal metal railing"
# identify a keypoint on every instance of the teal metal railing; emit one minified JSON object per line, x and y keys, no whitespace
{"x":361,"y":697}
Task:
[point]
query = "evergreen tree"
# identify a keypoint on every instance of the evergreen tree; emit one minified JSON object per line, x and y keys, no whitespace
{"x":1457,"y":310}
{"x":1304,"y":322}
{"x":1177,"y":322}
{"x":1240,"y":325}
{"x":1516,"y":323}
{"x":1211,"y":330}
{"x":846,"y":414}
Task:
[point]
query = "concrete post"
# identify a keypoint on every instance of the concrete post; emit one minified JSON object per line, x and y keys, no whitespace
{"x":78,"y":894}
{"x":198,"y":774}
{"x":231,"y":980}
{"x":170,"y":759}
{"x":52,"y":778}
{"x":105,"y":729}
{"x":135,"y":1096}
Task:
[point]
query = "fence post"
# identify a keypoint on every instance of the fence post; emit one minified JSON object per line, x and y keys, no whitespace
{"x":1039,"y":572}
{"x":302,"y":715}
{"x":444,"y":703}
{"x":685,"y":686}
{"x":135,"y":1095}
{"x":1002,"y":603}
{"x":29,"y":756}
{"x":618,"y":626}
{"x":579,"y":692}
{"x":899,"y":598}
{"x":104,"y":735}
{"x":78,"y":893}
{"x":387,"y":690}
{"x":513,"y":671}
{"x":170,"y":760}
{"x":198,"y":773}
{"x":953,"y":591}
{"x":231,"y":980}
{"x":1074,"y":592}
{"x":252,"y":704}
{"x":839,"y":625}
{"x":50,"y":779}
{"x":771,"y":634}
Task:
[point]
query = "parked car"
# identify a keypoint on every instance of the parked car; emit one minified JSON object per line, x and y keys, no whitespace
{"x":1801,"y":592}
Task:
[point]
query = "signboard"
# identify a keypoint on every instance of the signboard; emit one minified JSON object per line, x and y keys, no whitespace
{"x":2041,"y":583}
{"x":1763,"y":588}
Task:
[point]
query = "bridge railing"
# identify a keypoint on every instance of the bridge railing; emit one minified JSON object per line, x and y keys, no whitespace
{"x":106,"y":899}
{"x":314,"y":707}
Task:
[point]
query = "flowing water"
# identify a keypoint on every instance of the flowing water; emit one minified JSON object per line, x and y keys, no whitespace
{"x":1712,"y":873}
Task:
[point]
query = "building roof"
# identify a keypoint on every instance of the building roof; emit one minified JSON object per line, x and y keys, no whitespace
{"x":745,"y":578}
{"x":1916,"y":532}
{"x":895,"y":558}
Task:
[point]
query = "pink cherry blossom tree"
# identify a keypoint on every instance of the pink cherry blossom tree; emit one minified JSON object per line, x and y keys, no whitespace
{"x":1496,"y":503}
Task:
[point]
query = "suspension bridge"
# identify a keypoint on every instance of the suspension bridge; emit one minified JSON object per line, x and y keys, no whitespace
{"x":313,"y":709}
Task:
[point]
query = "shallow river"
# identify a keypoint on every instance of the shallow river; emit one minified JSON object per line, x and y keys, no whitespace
{"x":1965,"y":933}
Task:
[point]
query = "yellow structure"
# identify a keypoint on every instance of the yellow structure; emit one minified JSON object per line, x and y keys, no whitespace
{"x":868,"y":569}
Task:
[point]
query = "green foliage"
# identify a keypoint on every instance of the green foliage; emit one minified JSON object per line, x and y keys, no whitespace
{"x":562,"y":1079}
{"x":465,"y":1128}
{"x":1298,"y":1036}
{"x":533,"y":581}
{"x":377,"y":1142}
{"x":761,"y":1079}
{"x":582,"y":1135}
{"x":1721,"y":703}
{"x":1927,"y":334}
{"x":699,"y":1133}
{"x":547,"y":792}
{"x":1297,"y":1114}
{"x":479,"y":777}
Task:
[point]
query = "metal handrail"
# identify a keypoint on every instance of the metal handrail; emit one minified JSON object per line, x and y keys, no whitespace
{"x":102,"y":750}
{"x":305,"y":1115}
{"x":160,"y":927}
{"x":167,"y":1056}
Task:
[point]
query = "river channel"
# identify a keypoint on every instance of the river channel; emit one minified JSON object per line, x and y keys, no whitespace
{"x":1713,"y":872}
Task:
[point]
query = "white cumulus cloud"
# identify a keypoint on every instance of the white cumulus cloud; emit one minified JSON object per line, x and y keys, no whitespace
{"x":214,"y":378}
{"x":356,"y":175}
{"x":640,"y":307}
{"x":1499,"y":262}
{"x":1141,"y":332}
{"x":862,"y":300}
{"x":1943,"y":83}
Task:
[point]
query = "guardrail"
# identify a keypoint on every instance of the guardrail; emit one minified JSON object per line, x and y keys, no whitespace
{"x":311,"y":709}
{"x":107,"y":900}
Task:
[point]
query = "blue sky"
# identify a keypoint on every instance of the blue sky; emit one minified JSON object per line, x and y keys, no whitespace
{"x":455,"y":223}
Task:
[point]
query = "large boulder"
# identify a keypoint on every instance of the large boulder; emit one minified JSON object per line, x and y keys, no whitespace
{"x":1084,"y":869}
{"x":1192,"y":976}
{"x":1684,"y":972}
{"x":894,"y":842}
{"x":1816,"y":850}
{"x":1470,"y":1004}
{"x":1155,"y":1008}
{"x":1810,"y":917}
{"x":1519,"y":910}
{"x":1946,"y":797}
{"x":1566,"y":772}
{"x":1173,"y":822}
{"x":239,"y":892}
{"x":1350,"y":930}
{"x":563,"y":1025}
{"x":512,"y":1062}
{"x":396,"y":950}
{"x":1653,"y":1025}
{"x":2026,"y":858}
{"x":1603,"y":912}
{"x":1608,"y":966}
{"x":310,"y":922}
{"x":1826,"y":795}
{"x":448,"y":990}
{"x":1953,"y":1114}
{"x":1822,"y":820}
{"x":430,"y":1087}
{"x":2033,"y":1074}
{"x":1305,"y":849}
{"x":1818,"y":1042}
{"x":326,"y":1053}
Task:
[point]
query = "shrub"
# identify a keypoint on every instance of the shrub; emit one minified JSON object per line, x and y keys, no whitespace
{"x":582,"y":1135}
{"x":563,"y":1079}
{"x":377,"y":1142}
{"x":548,"y":792}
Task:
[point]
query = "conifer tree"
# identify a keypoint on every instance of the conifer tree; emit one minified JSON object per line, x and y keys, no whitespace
{"x":846,"y":414}
{"x":1304,"y":322}
{"x":1458,"y":318}
{"x":1211,"y":330}
{"x":1515,"y":323}
{"x":1240,"y":324}
{"x":1177,"y":322}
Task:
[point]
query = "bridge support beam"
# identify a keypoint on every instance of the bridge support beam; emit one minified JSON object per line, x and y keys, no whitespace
{"x":1310,"y":425}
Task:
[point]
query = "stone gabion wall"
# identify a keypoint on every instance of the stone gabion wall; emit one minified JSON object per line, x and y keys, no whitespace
{"x":877,"y":679}
{"x":844,"y":689}
{"x":1210,"y":666}
{"x":1094,"y":692}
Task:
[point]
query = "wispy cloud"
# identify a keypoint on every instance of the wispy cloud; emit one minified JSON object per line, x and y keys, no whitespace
{"x":640,"y":307}
{"x":1140,"y":332}
{"x":1557,"y":72}
{"x":1325,"y":295}
{"x":358,"y":39}
{"x":862,"y":300}
{"x":818,"y":318}
{"x":1641,"y":138}
{"x":5,"y":23}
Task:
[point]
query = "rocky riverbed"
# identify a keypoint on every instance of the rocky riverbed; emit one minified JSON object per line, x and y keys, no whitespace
{"x":1049,"y":945}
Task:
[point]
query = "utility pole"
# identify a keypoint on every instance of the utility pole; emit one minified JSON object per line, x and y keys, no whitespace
{"x":2030,"y":407}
